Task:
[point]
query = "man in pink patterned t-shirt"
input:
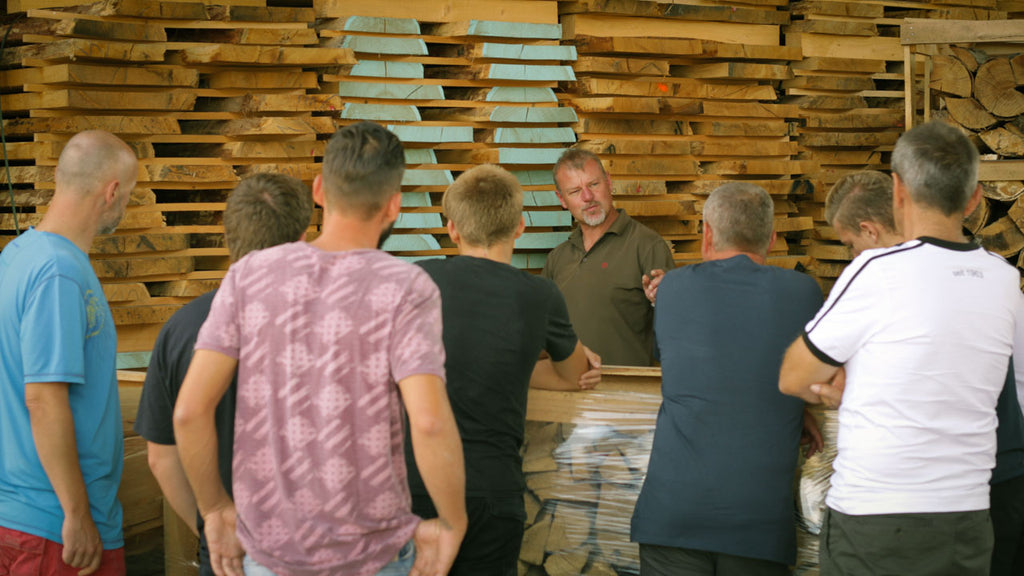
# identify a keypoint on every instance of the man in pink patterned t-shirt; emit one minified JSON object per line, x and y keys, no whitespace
{"x":320,"y":334}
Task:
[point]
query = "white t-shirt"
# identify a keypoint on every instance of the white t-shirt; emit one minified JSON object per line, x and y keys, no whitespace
{"x":925,"y":330}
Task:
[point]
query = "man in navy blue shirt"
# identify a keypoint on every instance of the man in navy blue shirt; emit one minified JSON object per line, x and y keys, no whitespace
{"x":718,"y":499}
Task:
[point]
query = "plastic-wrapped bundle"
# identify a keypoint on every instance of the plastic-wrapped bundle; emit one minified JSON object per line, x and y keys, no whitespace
{"x":585,"y":457}
{"x":815,"y":479}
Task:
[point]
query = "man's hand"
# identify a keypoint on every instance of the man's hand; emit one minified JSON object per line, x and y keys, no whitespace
{"x":651,"y":283}
{"x":437,"y":544}
{"x":831,"y":392}
{"x":810,"y":436}
{"x":82,"y":545}
{"x":226,"y":552}
{"x":592,"y":377}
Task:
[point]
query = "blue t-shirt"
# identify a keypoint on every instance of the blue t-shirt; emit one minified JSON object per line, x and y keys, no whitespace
{"x":721,"y":472}
{"x":55,"y":326}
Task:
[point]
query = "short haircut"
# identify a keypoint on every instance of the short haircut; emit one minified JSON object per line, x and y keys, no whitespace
{"x":742,"y":217}
{"x":92,"y":158}
{"x":576,"y":159}
{"x":363,"y":167}
{"x":939,"y":166}
{"x":486,"y":205}
{"x":265,"y":210}
{"x":858,"y":197}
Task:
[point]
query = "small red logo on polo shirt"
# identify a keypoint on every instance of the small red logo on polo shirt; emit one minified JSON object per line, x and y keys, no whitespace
{"x":604,"y":264}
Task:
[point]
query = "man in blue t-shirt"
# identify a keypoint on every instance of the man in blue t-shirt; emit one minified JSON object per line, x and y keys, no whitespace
{"x":61,"y":445}
{"x":717,"y":499}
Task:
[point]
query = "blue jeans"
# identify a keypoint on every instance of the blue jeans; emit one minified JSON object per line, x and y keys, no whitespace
{"x":400,"y":566}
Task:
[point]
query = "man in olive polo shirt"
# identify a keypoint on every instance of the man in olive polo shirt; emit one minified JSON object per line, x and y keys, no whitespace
{"x":600,"y":267}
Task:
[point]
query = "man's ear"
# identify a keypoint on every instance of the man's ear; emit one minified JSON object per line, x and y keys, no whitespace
{"x":318,"y":191}
{"x":707,"y":240}
{"x":521,"y":228}
{"x":453,"y":233}
{"x":561,"y":199}
{"x":899,"y":191}
{"x":870,"y":228}
{"x":110,"y":193}
{"x":972,"y":203}
{"x":771,"y":241}
{"x":394,"y":207}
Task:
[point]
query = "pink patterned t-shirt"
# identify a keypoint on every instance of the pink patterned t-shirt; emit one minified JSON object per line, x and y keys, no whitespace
{"x":321,"y":339}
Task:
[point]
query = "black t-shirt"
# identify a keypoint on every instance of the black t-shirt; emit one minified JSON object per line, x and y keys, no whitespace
{"x":171,"y":357}
{"x":497,"y":320}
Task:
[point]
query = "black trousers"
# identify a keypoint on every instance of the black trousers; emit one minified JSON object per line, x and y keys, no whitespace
{"x":493,"y":538}
{"x":1008,"y":527}
{"x":668,"y":561}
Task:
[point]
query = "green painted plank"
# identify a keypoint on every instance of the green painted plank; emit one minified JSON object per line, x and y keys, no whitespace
{"x":540,"y":240}
{"x":413,"y":259}
{"x":529,"y":155}
{"x":382,"y":69}
{"x":417,"y":199}
{"x":390,"y":91}
{"x":531,"y":135}
{"x":528,"y":52}
{"x":382,"y":25}
{"x":420,"y":156}
{"x":548,"y":218}
{"x":381,"y":112}
{"x":384,"y":45}
{"x":417,"y":177}
{"x":132,"y":360}
{"x":531,"y":72}
{"x":532,"y":261}
{"x":435,"y":134}
{"x":521,"y":94}
{"x":534,"y":177}
{"x":514,"y":30}
{"x":533,"y":114}
{"x":402,"y":242}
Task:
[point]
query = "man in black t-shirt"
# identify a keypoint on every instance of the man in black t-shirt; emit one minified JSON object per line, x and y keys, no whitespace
{"x":497,"y":321}
{"x":264,"y":210}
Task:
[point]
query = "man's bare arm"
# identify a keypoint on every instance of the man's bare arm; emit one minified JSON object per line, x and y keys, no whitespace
{"x":580,"y":371}
{"x":166,"y":466}
{"x":53,"y":430}
{"x":801,"y":369}
{"x":208,"y":378}
{"x":438,"y":451}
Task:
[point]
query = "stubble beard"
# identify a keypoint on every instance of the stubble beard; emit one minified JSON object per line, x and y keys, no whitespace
{"x":591,"y":219}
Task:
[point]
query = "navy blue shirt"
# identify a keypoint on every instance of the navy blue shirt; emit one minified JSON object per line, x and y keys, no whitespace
{"x":726,"y":441}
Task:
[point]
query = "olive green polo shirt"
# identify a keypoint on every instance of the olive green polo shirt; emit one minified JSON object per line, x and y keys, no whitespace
{"x":603,"y":289}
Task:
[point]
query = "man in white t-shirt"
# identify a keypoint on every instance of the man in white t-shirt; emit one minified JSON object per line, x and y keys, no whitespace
{"x":924,"y":330}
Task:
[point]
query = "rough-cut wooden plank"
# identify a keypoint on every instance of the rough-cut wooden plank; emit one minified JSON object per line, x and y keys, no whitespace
{"x":495,"y":29}
{"x":837,"y":27}
{"x":102,"y":29}
{"x":738,"y":70}
{"x":134,"y":243}
{"x":672,"y":87}
{"x":858,"y":48}
{"x":829,"y":8}
{"x":602,"y":24}
{"x":80,"y":48}
{"x":120,"y":125}
{"x":122,"y":268}
{"x":927,"y":31}
{"x":248,"y":54}
{"x":675,"y":10}
{"x":103,"y":75}
{"x":618,"y":65}
{"x":101,"y":100}
{"x":443,"y":10}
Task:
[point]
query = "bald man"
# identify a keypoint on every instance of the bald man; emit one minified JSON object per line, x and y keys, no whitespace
{"x":61,"y":447}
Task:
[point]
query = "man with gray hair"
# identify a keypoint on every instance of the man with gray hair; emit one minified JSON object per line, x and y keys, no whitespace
{"x":717,"y":499}
{"x":924,"y":331}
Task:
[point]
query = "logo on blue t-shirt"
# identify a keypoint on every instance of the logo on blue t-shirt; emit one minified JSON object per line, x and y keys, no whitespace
{"x":93,"y":314}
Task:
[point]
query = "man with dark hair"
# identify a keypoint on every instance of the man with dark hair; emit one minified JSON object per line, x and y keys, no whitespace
{"x":924,"y":331}
{"x":863,"y":201}
{"x":717,"y":499}
{"x":600,"y":267}
{"x":331,"y":340}
{"x":61,"y":445}
{"x":497,"y":320}
{"x":264,"y":210}
{"x":859,"y":208}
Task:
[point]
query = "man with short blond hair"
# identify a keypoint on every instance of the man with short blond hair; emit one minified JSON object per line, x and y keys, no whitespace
{"x":600,"y":267}
{"x":264,"y":210}
{"x":497,"y":320}
{"x":61,"y":445}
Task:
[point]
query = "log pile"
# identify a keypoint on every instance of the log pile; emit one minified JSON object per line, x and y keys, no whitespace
{"x":585,"y":459}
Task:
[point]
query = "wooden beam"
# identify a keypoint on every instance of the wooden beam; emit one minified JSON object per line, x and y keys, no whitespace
{"x":927,"y":31}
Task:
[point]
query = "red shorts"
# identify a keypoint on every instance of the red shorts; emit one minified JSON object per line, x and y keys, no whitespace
{"x":23,"y":554}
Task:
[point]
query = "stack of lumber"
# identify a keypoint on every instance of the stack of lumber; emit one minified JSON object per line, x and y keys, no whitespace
{"x":462,"y":84}
{"x":850,"y":87}
{"x":204,"y":94}
{"x":679,"y":98}
{"x":585,"y":458}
